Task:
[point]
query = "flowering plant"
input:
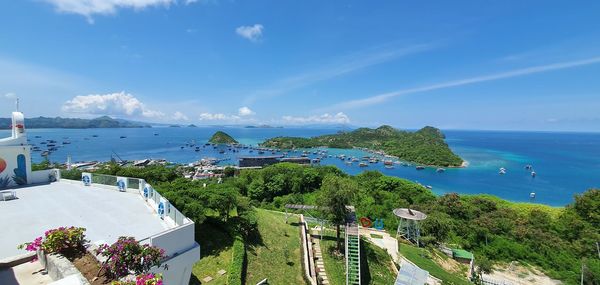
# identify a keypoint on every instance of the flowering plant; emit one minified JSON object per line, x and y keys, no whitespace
{"x":69,"y":242}
{"x":142,"y":279}
{"x":127,"y":255}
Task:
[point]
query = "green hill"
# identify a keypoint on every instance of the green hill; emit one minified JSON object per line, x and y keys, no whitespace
{"x":425,"y":146}
{"x":222,"y":138}
{"x":74,"y":123}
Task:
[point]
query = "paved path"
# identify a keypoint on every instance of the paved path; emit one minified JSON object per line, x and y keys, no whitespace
{"x":389,"y":243}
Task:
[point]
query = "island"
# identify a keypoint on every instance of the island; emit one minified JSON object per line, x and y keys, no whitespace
{"x":74,"y":123}
{"x":425,"y":146}
{"x":192,"y":126}
{"x":222,"y":138}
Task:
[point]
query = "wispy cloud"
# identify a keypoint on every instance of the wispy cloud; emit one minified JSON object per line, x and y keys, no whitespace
{"x":345,"y":65}
{"x":380,"y":98}
{"x":339,"y":118}
{"x":252,"y":33}
{"x":179,"y":116}
{"x":88,"y":8}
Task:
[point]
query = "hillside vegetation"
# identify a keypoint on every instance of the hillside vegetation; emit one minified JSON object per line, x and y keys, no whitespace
{"x":556,"y":240}
{"x":221,"y":138}
{"x":425,"y":146}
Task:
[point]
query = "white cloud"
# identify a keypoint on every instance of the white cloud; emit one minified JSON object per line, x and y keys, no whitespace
{"x":339,"y":118}
{"x":380,"y":98}
{"x":218,"y":117}
{"x":178,"y":116}
{"x":117,"y":104}
{"x":253,"y":33}
{"x":245,"y":111}
{"x":10,"y":95}
{"x":88,"y":8}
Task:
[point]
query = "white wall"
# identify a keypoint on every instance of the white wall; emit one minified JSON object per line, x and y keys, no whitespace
{"x":9,"y":154}
{"x":176,"y":240}
{"x":42,"y":176}
{"x":179,"y":268}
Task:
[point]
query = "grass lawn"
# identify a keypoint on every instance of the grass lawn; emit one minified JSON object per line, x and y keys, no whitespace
{"x":276,"y":253}
{"x":421,"y":258}
{"x":215,"y":254}
{"x":375,"y":267}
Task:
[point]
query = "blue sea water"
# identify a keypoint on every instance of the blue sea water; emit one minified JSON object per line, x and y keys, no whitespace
{"x":565,"y":163}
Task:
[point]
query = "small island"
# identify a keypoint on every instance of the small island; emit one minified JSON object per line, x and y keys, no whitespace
{"x":222,"y":138}
{"x":425,"y":146}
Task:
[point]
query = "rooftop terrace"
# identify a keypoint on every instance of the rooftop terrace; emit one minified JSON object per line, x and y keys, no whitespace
{"x":105,"y":213}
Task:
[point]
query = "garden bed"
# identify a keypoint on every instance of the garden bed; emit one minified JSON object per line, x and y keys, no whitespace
{"x":89,"y":267}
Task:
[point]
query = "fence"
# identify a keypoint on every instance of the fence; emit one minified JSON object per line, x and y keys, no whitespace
{"x":152,"y":197}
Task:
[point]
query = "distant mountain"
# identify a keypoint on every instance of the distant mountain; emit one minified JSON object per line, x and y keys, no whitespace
{"x":221,"y":138}
{"x":74,"y":123}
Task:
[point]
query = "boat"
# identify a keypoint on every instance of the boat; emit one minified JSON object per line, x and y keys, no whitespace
{"x":389,"y":167}
{"x":94,"y":136}
{"x":66,"y":142}
{"x":362,"y":164}
{"x":122,"y":137}
{"x":502,"y":170}
{"x":420,"y":167}
{"x":528,"y":167}
{"x":440,"y":170}
{"x":38,"y":137}
{"x":45,"y":153}
{"x":388,"y":162}
{"x":156,"y":134}
{"x":533,"y":174}
{"x":428,"y":187}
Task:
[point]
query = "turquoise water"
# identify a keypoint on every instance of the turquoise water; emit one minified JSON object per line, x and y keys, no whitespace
{"x":565,"y":163}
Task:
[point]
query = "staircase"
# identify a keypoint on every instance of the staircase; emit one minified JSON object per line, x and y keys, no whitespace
{"x":352,"y":254}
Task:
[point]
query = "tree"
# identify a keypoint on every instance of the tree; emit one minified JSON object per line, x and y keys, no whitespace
{"x":336,"y":194}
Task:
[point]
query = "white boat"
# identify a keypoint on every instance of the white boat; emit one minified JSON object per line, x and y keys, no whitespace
{"x":502,"y":170}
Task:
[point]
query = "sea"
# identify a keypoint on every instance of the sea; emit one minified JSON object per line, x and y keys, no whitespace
{"x":566,"y":163}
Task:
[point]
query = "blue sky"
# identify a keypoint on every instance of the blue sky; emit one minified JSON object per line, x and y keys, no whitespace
{"x":510,"y":65}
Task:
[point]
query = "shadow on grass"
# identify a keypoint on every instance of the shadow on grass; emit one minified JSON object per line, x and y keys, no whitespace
{"x":366,"y":254}
{"x":213,"y":237}
{"x":194,"y":280}
{"x":254,"y":240}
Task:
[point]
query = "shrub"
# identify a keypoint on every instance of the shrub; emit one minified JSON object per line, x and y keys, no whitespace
{"x":127,"y":255}
{"x":142,"y":279}
{"x":236,"y":268}
{"x":69,"y":242}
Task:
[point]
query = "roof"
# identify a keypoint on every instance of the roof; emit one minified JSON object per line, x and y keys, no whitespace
{"x":410,"y":214}
{"x":410,"y":274}
{"x":461,"y":253}
{"x":105,"y":213}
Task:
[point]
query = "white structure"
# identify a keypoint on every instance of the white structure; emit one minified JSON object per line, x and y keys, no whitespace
{"x":15,"y":155}
{"x":107,"y":206}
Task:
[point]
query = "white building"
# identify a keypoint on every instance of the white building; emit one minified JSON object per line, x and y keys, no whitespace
{"x":107,"y":206}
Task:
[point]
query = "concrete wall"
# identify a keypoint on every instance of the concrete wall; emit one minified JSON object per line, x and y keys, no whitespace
{"x":43,"y":176}
{"x":8,"y":164}
{"x":178,"y":269}
{"x":176,"y":240}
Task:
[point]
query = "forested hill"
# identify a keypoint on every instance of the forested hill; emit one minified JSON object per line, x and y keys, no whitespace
{"x":425,"y":146}
{"x":221,"y":138}
{"x":74,"y":123}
